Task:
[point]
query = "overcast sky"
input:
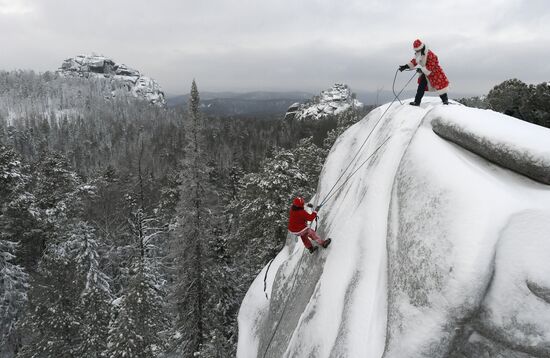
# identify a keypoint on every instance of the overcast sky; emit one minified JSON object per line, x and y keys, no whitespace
{"x":305,"y":45}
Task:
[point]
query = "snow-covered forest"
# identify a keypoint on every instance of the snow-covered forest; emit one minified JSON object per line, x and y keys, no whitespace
{"x":133,"y":230}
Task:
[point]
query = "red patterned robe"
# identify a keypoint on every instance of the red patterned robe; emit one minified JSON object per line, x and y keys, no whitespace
{"x":429,"y":64}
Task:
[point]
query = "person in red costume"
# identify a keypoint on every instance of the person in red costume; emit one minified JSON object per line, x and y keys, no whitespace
{"x":297,"y":225}
{"x":432,"y":78}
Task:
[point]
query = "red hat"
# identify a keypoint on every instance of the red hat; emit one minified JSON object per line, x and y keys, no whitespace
{"x":417,"y":45}
{"x":298,"y":202}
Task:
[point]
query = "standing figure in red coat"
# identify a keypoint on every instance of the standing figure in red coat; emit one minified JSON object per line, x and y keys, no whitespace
{"x":432,"y":77}
{"x":297,"y":225}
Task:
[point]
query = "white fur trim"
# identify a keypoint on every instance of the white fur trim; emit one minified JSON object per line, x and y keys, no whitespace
{"x":425,"y":71}
{"x":410,"y":64}
{"x":442,"y":91}
{"x":422,"y":59}
{"x":439,"y":92}
{"x":420,"y":47}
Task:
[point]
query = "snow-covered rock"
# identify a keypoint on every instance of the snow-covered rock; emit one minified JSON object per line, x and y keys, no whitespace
{"x":513,"y":144}
{"x":437,"y":251}
{"x":94,"y":66}
{"x":333,"y":101}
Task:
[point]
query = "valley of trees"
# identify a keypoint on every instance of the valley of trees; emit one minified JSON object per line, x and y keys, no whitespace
{"x":129,"y":230}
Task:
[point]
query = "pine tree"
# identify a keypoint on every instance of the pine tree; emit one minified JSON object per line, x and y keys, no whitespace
{"x":139,"y":319}
{"x":13,"y":278}
{"x":191,"y":239}
{"x":95,"y":300}
{"x":13,"y":296}
{"x":139,"y":322}
{"x":510,"y":97}
{"x":69,"y":300}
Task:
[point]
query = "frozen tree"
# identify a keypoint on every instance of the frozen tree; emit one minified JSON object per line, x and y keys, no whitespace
{"x":191,"y":238}
{"x":69,"y":300}
{"x":509,"y":97}
{"x":139,"y":318}
{"x":13,"y":295}
{"x":139,"y":321}
{"x":95,"y":299}
{"x":13,"y":278}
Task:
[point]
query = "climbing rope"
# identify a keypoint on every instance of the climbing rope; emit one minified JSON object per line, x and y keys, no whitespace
{"x":331,"y":192}
{"x":357,"y":169}
{"x":271,"y":261}
{"x":284,"y":307}
{"x":396,"y":96}
{"x":265,"y":277}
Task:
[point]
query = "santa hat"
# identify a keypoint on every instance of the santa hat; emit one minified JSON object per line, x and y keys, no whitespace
{"x":417,"y":45}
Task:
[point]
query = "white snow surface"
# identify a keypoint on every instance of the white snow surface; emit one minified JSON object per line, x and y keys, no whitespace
{"x":429,"y":241}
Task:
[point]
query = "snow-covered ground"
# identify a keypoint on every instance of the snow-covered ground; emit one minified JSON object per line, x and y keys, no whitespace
{"x":437,"y":252}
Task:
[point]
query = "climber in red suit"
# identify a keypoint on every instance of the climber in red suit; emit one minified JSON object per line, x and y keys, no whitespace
{"x":297,"y":225}
{"x":432,"y":78}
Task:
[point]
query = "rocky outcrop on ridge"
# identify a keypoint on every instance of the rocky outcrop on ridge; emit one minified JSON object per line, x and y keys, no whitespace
{"x":95,"y":66}
{"x":332,"y":101}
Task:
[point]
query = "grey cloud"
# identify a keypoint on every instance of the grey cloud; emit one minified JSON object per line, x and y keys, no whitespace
{"x":286,"y":45}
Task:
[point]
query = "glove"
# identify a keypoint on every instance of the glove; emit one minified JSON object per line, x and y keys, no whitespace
{"x":403,"y":68}
{"x":318,"y":208}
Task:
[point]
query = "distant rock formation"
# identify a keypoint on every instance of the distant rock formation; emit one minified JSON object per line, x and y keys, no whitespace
{"x":332,"y":101}
{"x":94,"y":66}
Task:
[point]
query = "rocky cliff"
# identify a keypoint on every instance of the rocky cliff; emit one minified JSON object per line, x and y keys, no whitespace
{"x":332,"y":101}
{"x":122,"y":76}
{"x":440,"y":245}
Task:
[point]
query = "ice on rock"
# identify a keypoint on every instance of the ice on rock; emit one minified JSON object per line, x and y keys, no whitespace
{"x":437,"y":250}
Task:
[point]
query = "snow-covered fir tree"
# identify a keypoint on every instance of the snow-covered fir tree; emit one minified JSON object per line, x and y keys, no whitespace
{"x":13,"y":296}
{"x":75,"y":322}
{"x":191,"y":239}
{"x":139,"y":324}
{"x":68,"y":270}
{"x":139,"y":320}
{"x":13,"y":278}
{"x":95,"y":300}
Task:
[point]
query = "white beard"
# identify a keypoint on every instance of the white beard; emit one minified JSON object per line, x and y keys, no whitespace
{"x":421,"y":59}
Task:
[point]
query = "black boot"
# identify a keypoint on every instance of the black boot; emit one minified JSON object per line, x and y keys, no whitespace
{"x":444,"y":98}
{"x":414,"y":104}
{"x":326,"y":243}
{"x":312,"y":249}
